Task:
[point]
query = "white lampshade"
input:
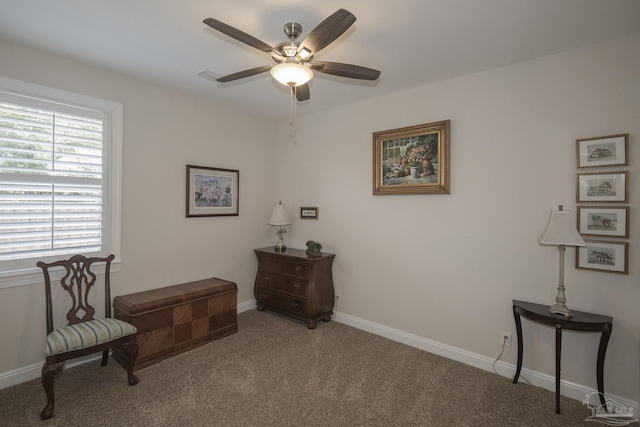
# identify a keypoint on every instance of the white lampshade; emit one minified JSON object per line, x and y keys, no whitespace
{"x":560,"y":230}
{"x":291,"y":73}
{"x":279,"y":215}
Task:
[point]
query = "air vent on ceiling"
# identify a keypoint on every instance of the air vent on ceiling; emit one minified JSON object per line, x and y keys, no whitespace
{"x":209,"y":75}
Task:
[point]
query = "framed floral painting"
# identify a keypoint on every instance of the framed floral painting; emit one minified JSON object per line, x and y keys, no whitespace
{"x":412,"y":160}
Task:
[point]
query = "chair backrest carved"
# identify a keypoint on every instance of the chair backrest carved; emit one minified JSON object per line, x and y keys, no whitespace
{"x":77,"y":280}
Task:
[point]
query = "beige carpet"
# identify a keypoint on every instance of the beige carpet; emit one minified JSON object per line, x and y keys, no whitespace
{"x":276,"y":372}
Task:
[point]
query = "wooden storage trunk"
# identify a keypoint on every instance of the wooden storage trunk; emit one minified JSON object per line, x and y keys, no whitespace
{"x":178,"y":318}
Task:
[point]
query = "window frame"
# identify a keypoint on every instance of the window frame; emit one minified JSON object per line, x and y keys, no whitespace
{"x":112,"y":172}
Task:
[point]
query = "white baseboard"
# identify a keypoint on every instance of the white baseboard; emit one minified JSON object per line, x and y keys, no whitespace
{"x":246,"y":306}
{"x":568,"y":389}
{"x":31,"y":372}
{"x":20,"y":375}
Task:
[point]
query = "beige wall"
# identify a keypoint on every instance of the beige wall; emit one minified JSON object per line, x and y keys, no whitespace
{"x":446,"y":267}
{"x":163,"y":131}
{"x":442,"y":267}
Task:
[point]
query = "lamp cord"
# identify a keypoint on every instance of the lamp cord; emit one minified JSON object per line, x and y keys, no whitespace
{"x":498,"y":358}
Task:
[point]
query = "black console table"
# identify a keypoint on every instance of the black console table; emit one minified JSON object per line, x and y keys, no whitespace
{"x":580,"y":321}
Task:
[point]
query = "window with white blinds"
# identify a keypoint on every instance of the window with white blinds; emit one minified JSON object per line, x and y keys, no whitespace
{"x":54,"y":180}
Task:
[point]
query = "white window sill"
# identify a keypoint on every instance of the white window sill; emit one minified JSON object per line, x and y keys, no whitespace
{"x":34,"y":276}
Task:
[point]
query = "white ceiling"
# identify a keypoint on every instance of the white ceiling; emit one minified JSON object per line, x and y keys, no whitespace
{"x":412,"y":42}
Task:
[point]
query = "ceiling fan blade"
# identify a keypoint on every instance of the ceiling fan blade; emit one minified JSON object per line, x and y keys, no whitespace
{"x":302,"y":92}
{"x":238,"y":35}
{"x":327,"y":31}
{"x":242,"y":74}
{"x":345,"y":70}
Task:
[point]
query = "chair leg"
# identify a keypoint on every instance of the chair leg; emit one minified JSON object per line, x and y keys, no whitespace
{"x":105,"y":357}
{"x":130,"y":349}
{"x":49,"y":371}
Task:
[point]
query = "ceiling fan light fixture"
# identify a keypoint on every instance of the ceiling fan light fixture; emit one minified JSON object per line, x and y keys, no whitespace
{"x":291,"y":73}
{"x":304,"y":53}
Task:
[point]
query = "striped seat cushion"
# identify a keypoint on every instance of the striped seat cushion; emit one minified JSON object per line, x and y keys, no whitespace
{"x":87,"y":334}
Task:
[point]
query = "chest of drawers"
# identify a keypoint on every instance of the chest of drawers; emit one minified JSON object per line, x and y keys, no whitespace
{"x":295,"y":284}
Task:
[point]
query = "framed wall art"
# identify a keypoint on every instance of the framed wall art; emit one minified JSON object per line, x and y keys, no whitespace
{"x":308,"y":213}
{"x":603,"y":221}
{"x":412,"y":160}
{"x":603,"y":187}
{"x":212,"y":191}
{"x":612,"y":257}
{"x":612,"y":150}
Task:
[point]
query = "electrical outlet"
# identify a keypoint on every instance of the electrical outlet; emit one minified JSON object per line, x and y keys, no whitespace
{"x":505,"y":339}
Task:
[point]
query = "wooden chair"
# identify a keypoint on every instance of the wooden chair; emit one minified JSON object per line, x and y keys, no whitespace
{"x":84,"y":334}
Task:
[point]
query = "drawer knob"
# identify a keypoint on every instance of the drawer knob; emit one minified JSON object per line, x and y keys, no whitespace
{"x":267,"y":278}
{"x":295,"y":304}
{"x":298,"y":268}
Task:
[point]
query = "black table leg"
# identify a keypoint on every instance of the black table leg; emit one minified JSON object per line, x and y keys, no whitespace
{"x":602,"y":350}
{"x":519,"y":335}
{"x":580,"y":321}
{"x":558,"y":358}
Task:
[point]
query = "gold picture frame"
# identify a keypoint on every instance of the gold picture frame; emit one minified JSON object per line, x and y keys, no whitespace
{"x":412,"y":160}
{"x":611,"y":150}
{"x":603,"y":187}
{"x":611,"y":221}
{"x":605,"y":256}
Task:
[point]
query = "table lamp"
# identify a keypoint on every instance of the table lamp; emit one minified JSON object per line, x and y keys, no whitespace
{"x":280,"y":218}
{"x":561,"y":232}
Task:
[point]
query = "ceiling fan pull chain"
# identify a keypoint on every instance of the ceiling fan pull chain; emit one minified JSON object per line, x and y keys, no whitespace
{"x":292,"y":115}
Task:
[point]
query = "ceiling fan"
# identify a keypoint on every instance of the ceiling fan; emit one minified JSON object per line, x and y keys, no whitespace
{"x":294,"y":64}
